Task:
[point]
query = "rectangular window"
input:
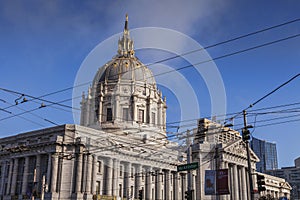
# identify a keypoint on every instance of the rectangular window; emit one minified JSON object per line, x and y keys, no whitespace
{"x":141,"y":116}
{"x":99,"y":166}
{"x":126,"y":115}
{"x":97,"y":187}
{"x":132,"y":172}
{"x":108,"y":114}
{"x":120,"y":190}
{"x":153,"y":118}
{"x":121,"y":170}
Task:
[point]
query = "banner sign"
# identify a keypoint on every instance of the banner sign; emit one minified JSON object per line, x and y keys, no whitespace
{"x":210,"y":184}
{"x":222,"y":181}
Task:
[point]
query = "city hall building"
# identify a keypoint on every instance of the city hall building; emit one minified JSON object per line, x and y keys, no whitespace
{"x":120,"y":149}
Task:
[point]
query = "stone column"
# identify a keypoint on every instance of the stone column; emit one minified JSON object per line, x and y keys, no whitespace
{"x":14,"y":177}
{"x":158,"y":180}
{"x":25,"y":176}
{"x":117,"y":116}
{"x":167,"y":182}
{"x":148,"y":185}
{"x":49,"y":172}
{"x":176,"y":187}
{"x":108,"y":177}
{"x":94,"y":176}
{"x":244,"y":184}
{"x":183,"y":184}
{"x":100,"y":112}
{"x":138,"y":180}
{"x":79,"y":173}
{"x":235,"y":182}
{"x":10,"y":176}
{"x":3,"y":167}
{"x":89,"y":174}
{"x":115,"y":177}
{"x":127,"y":175}
{"x":231,"y":185}
{"x":38,"y":171}
{"x":54,"y":173}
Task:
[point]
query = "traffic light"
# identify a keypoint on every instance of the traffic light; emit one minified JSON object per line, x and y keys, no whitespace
{"x":245,"y":134}
{"x":188,"y":195}
{"x":260,"y":182}
{"x":141,"y":194}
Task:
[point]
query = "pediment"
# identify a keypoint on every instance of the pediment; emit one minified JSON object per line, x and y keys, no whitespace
{"x":238,"y":148}
{"x":285,"y":185}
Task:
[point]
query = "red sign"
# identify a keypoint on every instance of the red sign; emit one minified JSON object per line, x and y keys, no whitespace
{"x":222,"y":181}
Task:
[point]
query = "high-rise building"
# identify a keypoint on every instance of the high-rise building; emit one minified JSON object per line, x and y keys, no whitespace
{"x":291,"y":175}
{"x":267,"y":154}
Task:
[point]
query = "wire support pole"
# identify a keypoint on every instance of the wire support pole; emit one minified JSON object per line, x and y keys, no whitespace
{"x":189,"y":160}
{"x":248,"y":160}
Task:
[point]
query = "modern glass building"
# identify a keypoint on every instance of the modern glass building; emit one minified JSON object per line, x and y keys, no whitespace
{"x":267,"y":153}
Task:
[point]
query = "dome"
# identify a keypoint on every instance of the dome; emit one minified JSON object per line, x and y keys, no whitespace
{"x":122,"y":69}
{"x":124,"y":95}
{"x":125,"y":67}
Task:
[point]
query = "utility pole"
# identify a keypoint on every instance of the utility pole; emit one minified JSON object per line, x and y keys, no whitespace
{"x":246,"y":137}
{"x":217,"y":168}
{"x":189,"y":159}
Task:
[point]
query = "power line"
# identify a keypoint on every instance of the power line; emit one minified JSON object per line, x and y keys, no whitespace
{"x":228,"y":41}
{"x":230,"y":54}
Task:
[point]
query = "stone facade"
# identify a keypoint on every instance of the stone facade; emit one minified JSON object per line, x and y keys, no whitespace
{"x":121,"y":149}
{"x":292,"y":176}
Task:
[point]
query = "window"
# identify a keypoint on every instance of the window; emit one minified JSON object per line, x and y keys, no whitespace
{"x":141,"y":116}
{"x":121,"y":170}
{"x":120,"y":190}
{"x":126,"y":115}
{"x":143,"y":175}
{"x":108,"y":114}
{"x":97,"y":187}
{"x":99,"y":166}
{"x":132,"y":172}
{"x":153,"y":118}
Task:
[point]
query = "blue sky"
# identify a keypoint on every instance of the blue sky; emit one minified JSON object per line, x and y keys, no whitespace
{"x":43,"y":44}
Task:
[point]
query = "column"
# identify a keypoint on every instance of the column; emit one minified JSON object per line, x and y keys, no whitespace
{"x":167,"y":183}
{"x":183,"y":185}
{"x":54,"y":173}
{"x":108,"y":177}
{"x":244,"y":183}
{"x":3,"y":167}
{"x":14,"y":177}
{"x":235,"y":182}
{"x":115,"y":177}
{"x":38,"y":171}
{"x":148,"y":184}
{"x":48,"y":172}
{"x":117,"y":116}
{"x":138,"y":180}
{"x":100,"y":112}
{"x":25,"y":175}
{"x":79,"y":172}
{"x":10,"y":176}
{"x":158,"y":180}
{"x":230,"y":167}
{"x":89,"y":174}
{"x":127,"y":175}
{"x":176,"y":186}
{"x":94,"y":177}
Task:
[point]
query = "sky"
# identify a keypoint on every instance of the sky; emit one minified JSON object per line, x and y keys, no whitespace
{"x":45,"y":43}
